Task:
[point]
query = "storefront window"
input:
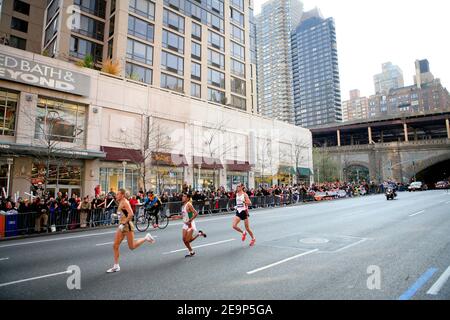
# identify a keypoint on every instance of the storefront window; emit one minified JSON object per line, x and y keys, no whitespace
{"x":8,"y":106}
{"x":112,"y":178}
{"x":65,"y":178}
{"x":209,"y":180}
{"x":169,"y":179}
{"x":3,"y":176}
{"x":235,"y":178}
{"x":60,"y":121}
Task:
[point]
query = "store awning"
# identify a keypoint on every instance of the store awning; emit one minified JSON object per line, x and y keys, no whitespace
{"x":169,"y":159}
{"x":286,"y":170}
{"x":238,"y":166}
{"x":207,"y":163}
{"x":22,"y":149}
{"x":304,"y":172}
{"x":122,"y":154}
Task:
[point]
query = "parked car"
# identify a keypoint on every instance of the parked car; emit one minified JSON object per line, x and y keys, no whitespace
{"x":417,"y":186}
{"x":442,"y":185}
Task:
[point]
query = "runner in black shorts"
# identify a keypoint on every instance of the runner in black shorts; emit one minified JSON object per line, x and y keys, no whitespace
{"x":242,"y":203}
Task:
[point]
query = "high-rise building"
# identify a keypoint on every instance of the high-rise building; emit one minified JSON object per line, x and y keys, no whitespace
{"x":21,"y":23}
{"x":274,"y":26}
{"x":426,"y":95}
{"x":391,"y":77}
{"x":423,"y":74}
{"x":202,"y":48}
{"x":317,"y":93}
{"x":356,"y":108}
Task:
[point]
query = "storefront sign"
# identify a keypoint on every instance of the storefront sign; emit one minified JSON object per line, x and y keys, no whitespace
{"x":41,"y":75}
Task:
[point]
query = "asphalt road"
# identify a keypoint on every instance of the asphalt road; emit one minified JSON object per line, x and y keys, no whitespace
{"x":363,"y":248}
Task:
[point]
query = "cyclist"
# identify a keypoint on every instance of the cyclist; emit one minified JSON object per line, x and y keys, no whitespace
{"x":153,"y":204}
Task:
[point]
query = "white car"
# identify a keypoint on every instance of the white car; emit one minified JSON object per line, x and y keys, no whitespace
{"x":417,"y":185}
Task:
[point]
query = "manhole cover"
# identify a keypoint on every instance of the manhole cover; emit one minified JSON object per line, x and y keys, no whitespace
{"x":314,"y":240}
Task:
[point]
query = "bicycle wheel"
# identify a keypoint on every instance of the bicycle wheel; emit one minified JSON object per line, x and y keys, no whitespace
{"x":163,"y":221}
{"x":142,"y":223}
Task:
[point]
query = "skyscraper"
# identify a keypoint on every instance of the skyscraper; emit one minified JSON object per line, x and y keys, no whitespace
{"x":391,"y":77}
{"x":356,"y":108}
{"x":316,"y":85}
{"x":274,"y":26}
{"x":423,"y":74}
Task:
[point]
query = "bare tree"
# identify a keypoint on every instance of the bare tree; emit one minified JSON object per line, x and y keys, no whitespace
{"x":300,"y":145}
{"x":213,"y":147}
{"x":153,"y":142}
{"x":265,"y":158}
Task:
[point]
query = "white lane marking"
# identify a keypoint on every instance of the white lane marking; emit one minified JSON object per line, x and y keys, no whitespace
{"x":415,"y":214}
{"x":35,"y":278}
{"x":2,"y":259}
{"x":282,"y":261}
{"x":201,"y":246}
{"x":351,"y":245}
{"x":56,"y":239}
{"x":437,"y":286}
{"x":112,"y":242}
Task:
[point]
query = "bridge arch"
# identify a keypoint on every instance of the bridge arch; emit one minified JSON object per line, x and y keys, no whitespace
{"x":424,"y":169}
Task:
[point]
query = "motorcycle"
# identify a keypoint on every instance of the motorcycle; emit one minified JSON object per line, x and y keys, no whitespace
{"x":390,"y":194}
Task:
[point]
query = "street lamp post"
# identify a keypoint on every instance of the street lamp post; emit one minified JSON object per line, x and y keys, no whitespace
{"x":124,"y":163}
{"x":9,"y":161}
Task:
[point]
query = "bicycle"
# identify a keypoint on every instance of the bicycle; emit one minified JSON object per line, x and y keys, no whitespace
{"x":146,"y":218}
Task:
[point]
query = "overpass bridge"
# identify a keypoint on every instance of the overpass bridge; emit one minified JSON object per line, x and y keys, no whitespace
{"x":403,"y":148}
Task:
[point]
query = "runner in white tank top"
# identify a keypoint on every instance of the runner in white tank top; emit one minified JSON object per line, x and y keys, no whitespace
{"x":190,"y":232}
{"x":242,"y":203}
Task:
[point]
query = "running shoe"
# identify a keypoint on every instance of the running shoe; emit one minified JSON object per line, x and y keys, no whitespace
{"x":149,"y":238}
{"x":244,"y":235}
{"x":113,"y":269}
{"x":191,"y":254}
{"x":202,"y":234}
{"x":252,"y":243}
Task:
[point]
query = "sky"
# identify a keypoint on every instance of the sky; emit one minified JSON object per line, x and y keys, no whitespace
{"x":371,"y":32}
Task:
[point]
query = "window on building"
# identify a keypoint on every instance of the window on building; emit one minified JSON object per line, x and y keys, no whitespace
{"x":216,"y":96}
{"x":144,"y":8}
{"x":17,"y":42}
{"x":216,"y":78}
{"x":80,"y":48}
{"x":22,"y":7}
{"x":237,"y":33}
{"x":196,"y":71}
{"x":138,"y":73}
{"x":238,"y":86}
{"x":172,"y":63}
{"x":215,"y":40}
{"x":214,"y":22}
{"x":59,"y":120}
{"x":238,"y":4}
{"x":215,"y":6}
{"x":237,"y":17}
{"x":237,"y":68}
{"x":140,"y":29}
{"x":140,"y":52}
{"x":8,"y":108}
{"x":173,"y":21}
{"x":195,"y":90}
{"x":95,"y":7}
{"x":90,"y":28}
{"x":196,"y":50}
{"x":54,"y":6}
{"x":195,"y":11}
{"x":196,"y":31}
{"x":19,"y":24}
{"x":216,"y":59}
{"x":172,"y":41}
{"x":237,"y":51}
{"x":51,"y":30}
{"x":171,"y":82}
{"x":238,"y":102}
